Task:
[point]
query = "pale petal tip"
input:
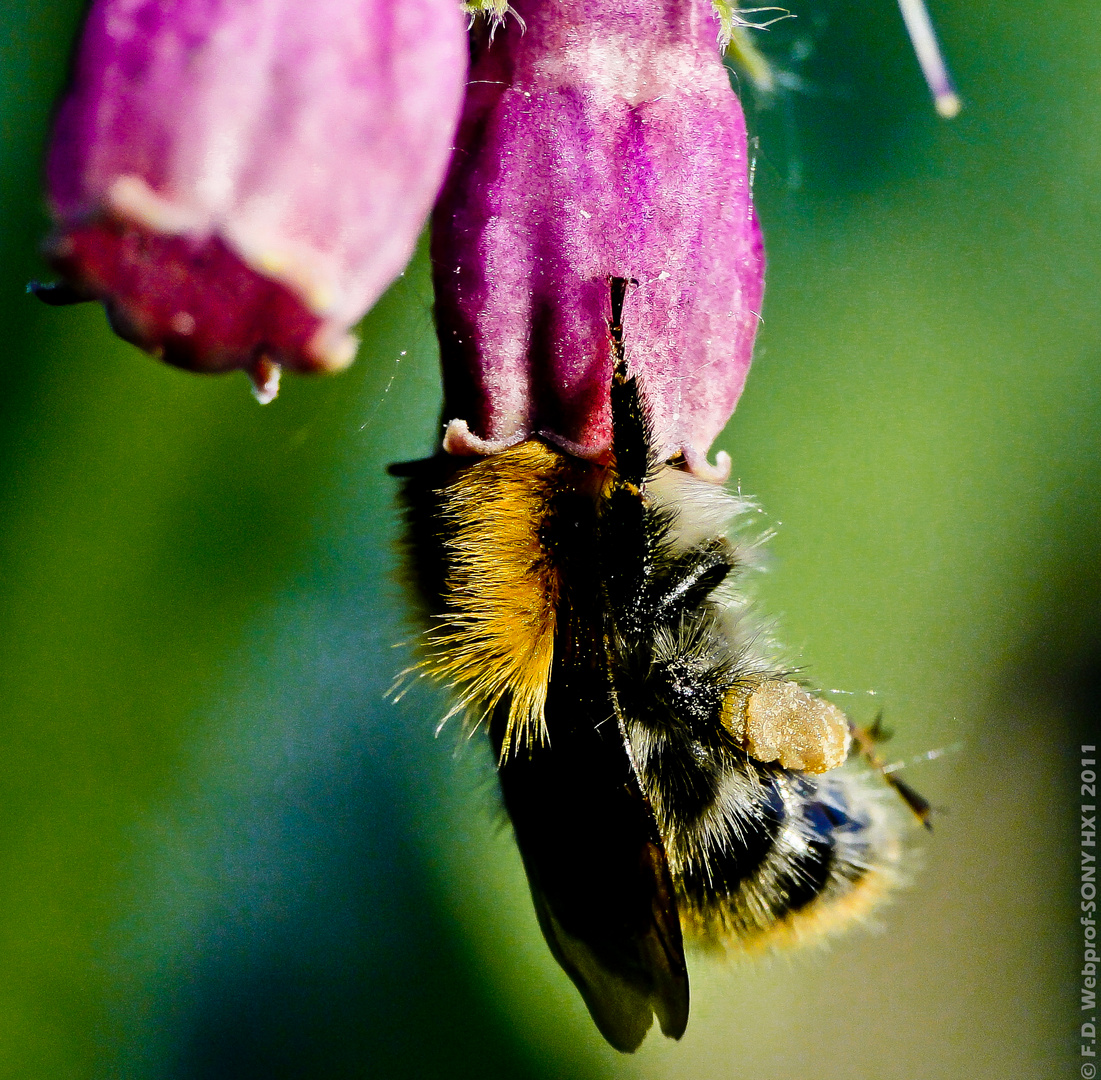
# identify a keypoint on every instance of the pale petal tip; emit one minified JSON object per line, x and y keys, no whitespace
{"x":265,"y":380}
{"x":333,"y":349}
{"x":459,"y":440}
{"x":700,"y":467}
{"x":129,"y":198}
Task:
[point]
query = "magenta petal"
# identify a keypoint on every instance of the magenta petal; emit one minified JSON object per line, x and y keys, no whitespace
{"x":604,"y":141}
{"x":241,"y":179}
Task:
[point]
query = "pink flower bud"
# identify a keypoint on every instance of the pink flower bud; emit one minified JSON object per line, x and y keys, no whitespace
{"x":605,"y":141}
{"x":239,"y":180}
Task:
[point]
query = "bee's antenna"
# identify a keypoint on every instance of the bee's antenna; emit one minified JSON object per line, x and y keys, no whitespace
{"x":630,"y":429}
{"x":618,"y":288}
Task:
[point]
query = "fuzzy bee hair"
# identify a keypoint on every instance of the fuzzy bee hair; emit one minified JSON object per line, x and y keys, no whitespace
{"x":665,"y":777}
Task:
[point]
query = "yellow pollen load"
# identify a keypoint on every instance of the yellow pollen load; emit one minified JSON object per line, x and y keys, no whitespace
{"x":779,"y":721}
{"x":495,"y":641}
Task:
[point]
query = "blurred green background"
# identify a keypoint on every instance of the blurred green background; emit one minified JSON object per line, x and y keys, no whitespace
{"x":223,"y":853}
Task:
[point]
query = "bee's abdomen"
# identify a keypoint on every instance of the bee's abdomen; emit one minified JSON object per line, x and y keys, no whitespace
{"x":761,"y":855}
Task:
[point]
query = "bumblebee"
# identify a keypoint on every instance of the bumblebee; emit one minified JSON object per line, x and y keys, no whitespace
{"x":666,"y":779}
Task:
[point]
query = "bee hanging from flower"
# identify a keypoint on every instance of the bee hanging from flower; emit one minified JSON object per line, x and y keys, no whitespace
{"x":598,"y":270}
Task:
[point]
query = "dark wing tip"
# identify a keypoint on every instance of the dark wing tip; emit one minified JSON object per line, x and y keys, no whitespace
{"x":641,"y":973}
{"x":663,"y":948}
{"x":622,"y":1001}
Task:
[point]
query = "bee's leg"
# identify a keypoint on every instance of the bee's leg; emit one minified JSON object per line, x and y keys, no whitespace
{"x":665,"y":594}
{"x":686,"y":583}
{"x":866,"y":740}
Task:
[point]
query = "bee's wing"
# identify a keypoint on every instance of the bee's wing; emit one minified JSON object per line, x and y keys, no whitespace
{"x":599,"y":876}
{"x":626,"y":982}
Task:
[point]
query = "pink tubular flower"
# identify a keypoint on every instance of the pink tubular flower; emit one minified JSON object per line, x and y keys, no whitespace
{"x":239,"y":180}
{"x":604,"y":140}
